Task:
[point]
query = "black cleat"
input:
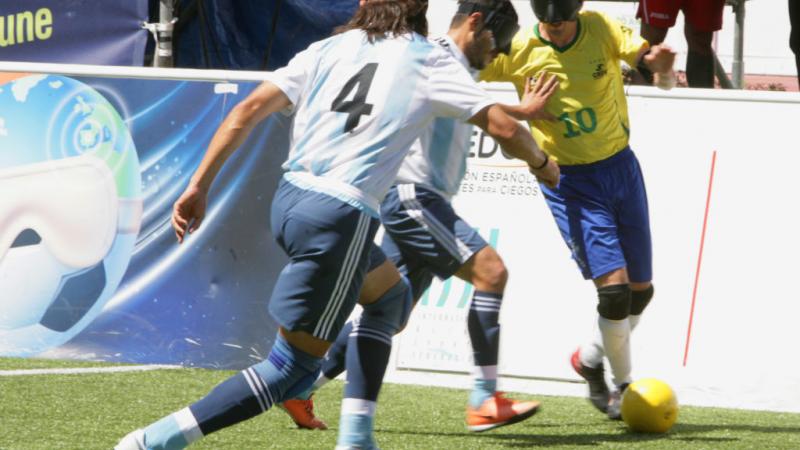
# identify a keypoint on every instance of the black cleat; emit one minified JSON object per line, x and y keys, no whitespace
{"x":599,"y":395}
{"x":614,"y":409}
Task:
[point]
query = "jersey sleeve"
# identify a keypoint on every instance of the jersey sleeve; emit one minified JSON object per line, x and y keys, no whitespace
{"x":624,"y":41}
{"x":453,"y":92}
{"x":292,"y":78}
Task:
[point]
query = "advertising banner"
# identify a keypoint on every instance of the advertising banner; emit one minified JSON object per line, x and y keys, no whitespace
{"x":77,"y":31}
{"x":89,"y":170}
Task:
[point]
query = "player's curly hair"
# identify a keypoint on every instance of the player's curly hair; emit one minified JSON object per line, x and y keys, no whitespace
{"x":382,"y":18}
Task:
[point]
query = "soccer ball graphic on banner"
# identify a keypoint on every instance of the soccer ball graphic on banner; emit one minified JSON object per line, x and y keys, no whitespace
{"x":649,"y":406}
{"x":71,"y":209}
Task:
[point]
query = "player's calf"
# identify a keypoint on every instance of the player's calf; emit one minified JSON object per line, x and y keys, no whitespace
{"x":368,"y":349}
{"x":614,"y":307}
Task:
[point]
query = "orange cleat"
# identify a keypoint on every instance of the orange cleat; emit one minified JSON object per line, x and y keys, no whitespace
{"x":302,"y":412}
{"x":498,"y":411}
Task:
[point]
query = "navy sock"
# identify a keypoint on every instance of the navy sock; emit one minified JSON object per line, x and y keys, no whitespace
{"x":484,"y":327}
{"x":367,"y":356}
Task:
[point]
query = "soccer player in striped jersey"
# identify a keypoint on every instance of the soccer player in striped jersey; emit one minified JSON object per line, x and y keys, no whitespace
{"x":360,"y":99}
{"x":426,"y":238}
{"x":600,"y":204}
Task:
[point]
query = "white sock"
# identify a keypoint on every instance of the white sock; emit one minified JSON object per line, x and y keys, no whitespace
{"x":616,"y":342}
{"x":634,"y":320}
{"x":591,"y":353}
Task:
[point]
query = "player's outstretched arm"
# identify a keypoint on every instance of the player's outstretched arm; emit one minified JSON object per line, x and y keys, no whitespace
{"x":190,"y":208}
{"x":660,"y":59}
{"x":517,"y":141}
{"x":534,"y":99}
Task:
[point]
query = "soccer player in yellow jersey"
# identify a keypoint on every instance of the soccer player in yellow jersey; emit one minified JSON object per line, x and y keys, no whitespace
{"x":600,"y":205}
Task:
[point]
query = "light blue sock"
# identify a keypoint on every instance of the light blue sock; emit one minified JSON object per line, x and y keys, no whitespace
{"x":174,"y":432}
{"x":482,"y":390}
{"x":356,"y":424}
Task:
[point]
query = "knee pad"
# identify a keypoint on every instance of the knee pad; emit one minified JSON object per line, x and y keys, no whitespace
{"x":614,"y":302}
{"x":640,"y":300}
{"x":391,"y":312}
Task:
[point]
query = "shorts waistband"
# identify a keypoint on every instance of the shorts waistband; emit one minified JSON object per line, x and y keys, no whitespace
{"x":622,"y":155}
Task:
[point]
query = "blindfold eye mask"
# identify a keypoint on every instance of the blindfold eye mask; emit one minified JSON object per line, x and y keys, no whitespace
{"x":500,"y":20}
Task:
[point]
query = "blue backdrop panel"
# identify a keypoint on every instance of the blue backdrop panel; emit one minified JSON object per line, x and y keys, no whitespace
{"x":237,"y":34}
{"x":201,"y":303}
{"x":73,"y":31}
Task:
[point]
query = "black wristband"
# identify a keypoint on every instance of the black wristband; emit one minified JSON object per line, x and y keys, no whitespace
{"x":546,"y":160}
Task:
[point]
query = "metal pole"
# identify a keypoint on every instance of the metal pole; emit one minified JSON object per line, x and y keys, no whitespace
{"x":724,"y":81}
{"x":738,"y":46}
{"x":163,"y":34}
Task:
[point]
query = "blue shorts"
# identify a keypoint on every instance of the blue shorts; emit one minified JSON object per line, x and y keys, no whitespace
{"x":328,"y":243}
{"x":424,"y":235}
{"x":601,"y":210}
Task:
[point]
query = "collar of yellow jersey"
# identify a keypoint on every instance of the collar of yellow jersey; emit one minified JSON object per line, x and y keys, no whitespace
{"x":554,"y":46}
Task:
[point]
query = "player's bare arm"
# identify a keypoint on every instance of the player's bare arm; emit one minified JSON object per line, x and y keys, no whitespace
{"x":189,"y":210}
{"x":517,"y":141}
{"x":660,"y":60}
{"x":534,"y":99}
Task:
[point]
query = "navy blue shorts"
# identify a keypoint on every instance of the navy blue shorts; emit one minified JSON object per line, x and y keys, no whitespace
{"x":424,"y":235}
{"x":328,"y":243}
{"x":601,"y":210}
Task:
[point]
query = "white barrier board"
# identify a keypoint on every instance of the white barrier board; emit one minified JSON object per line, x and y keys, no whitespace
{"x":741,"y":351}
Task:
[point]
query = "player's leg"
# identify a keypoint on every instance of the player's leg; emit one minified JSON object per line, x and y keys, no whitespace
{"x":375,"y":287}
{"x":398,"y":223}
{"x":301,"y":408}
{"x":328,"y":281}
{"x":292,"y":364}
{"x":488,"y":275}
{"x":702,"y":20}
{"x":633,"y":229}
{"x":657,"y":17}
{"x":584,"y":209}
{"x":386,"y":302}
{"x":613,"y":308}
{"x":794,"y":36}
{"x":424,"y":227}
{"x":416,"y":273}
{"x":486,"y":409}
{"x":700,"y":58}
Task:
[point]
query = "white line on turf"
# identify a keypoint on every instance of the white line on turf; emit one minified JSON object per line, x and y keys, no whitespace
{"x":79,"y":370}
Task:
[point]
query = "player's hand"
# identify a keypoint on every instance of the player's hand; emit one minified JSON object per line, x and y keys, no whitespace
{"x":550,"y":174}
{"x":660,"y":59}
{"x":188,"y":211}
{"x":536,"y":95}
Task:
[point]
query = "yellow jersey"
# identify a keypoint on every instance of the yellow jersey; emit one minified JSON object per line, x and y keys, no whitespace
{"x":590,"y":101}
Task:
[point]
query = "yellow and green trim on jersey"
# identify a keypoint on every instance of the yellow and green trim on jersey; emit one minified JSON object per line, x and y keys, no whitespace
{"x":590,"y":102}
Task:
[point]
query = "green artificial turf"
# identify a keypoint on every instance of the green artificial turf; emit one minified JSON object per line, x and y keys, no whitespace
{"x":92,"y":411}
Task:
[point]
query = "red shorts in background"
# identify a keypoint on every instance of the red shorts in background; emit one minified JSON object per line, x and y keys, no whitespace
{"x":703,"y":15}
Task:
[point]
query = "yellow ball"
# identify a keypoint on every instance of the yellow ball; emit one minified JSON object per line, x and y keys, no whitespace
{"x":649,"y":406}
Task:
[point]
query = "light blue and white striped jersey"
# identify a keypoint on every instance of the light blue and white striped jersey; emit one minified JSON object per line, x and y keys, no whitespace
{"x":438,"y":159}
{"x":360,"y":105}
